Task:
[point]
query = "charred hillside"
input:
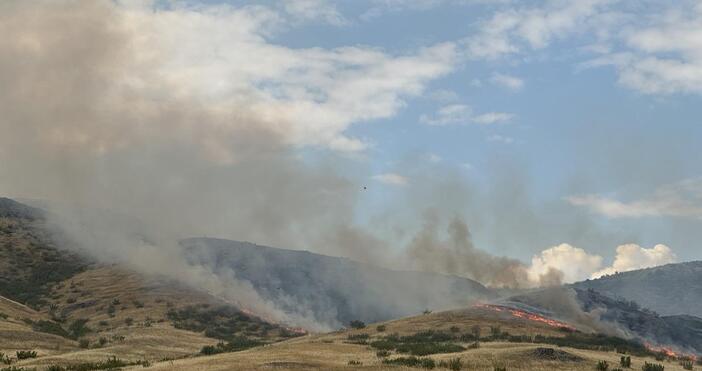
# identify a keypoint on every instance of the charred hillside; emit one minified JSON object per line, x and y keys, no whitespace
{"x":336,"y":290}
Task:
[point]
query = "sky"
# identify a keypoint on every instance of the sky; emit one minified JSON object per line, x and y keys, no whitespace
{"x":558,"y":131}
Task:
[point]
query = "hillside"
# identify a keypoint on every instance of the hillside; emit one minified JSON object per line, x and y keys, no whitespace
{"x":673,"y":289}
{"x":506,"y":342}
{"x":69,"y":309}
{"x":615,"y":316}
{"x":336,"y":290}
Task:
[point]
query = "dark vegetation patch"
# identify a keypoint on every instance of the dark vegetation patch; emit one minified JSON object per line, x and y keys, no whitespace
{"x":76,"y":329}
{"x":412,"y":361}
{"x":233,"y":345}
{"x":433,"y":342}
{"x":238,"y":330}
{"x":419,"y":344}
{"x":112,"y":363}
{"x":224,"y":323}
{"x":30,"y":262}
{"x":551,"y":354}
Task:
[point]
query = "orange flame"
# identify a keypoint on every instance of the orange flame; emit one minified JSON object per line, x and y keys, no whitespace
{"x":668,"y":352}
{"x":527,"y":315}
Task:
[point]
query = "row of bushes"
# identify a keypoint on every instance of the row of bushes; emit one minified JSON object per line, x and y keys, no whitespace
{"x":234,"y":345}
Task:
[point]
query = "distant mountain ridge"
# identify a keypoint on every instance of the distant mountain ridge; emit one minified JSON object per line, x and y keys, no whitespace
{"x":672,"y":289}
{"x":336,"y":290}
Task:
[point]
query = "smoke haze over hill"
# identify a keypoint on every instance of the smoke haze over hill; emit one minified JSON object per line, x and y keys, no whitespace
{"x":137,"y":135}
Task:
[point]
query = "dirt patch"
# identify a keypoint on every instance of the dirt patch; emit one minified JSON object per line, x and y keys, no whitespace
{"x":551,"y":354}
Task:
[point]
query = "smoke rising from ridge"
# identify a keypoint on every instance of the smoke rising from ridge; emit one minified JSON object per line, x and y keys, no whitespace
{"x":144,"y":126}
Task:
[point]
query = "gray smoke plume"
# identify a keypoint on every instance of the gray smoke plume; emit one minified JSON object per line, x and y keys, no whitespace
{"x":132,"y":162}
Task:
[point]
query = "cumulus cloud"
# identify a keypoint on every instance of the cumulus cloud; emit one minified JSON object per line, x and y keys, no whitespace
{"x":514,"y":30}
{"x":512,"y":83}
{"x":575,"y":264}
{"x":454,"y":114}
{"x":391,"y":179}
{"x":681,"y":199}
{"x":631,"y":256}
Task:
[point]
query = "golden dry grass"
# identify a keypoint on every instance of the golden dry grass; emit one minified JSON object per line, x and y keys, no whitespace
{"x":332,"y":351}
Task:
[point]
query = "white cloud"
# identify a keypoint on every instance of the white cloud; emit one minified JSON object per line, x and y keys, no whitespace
{"x":315,"y":10}
{"x":463,"y":114}
{"x":682,"y":199}
{"x":512,"y":83}
{"x":500,"y":139}
{"x":451,"y":114}
{"x":576,"y":264}
{"x":631,"y":257}
{"x":391,"y":179}
{"x":493,"y":118}
{"x":221,"y":57}
{"x":515,"y":29}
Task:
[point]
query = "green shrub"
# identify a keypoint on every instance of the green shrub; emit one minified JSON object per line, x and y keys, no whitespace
{"x":3,"y":315}
{"x":455,"y":329}
{"x":686,"y":364}
{"x":499,"y":368}
{"x":235,"y":345}
{"x":84,"y":343}
{"x":380,"y":328}
{"x":382,"y":353}
{"x":625,"y":361}
{"x":602,"y":366}
{"x":129,"y":321}
{"x":26,"y":354}
{"x":419,"y":344}
{"x":4,"y":358}
{"x":358,"y":338}
{"x":50,"y":327}
{"x":357,"y":324}
{"x":138,"y":304}
{"x":652,"y":367}
{"x":111,"y":310}
{"x":354,"y":362}
{"x":78,"y":328}
{"x":427,"y":363}
{"x":453,"y":364}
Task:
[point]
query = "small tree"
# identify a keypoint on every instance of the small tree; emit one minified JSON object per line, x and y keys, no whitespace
{"x":475,"y":330}
{"x":602,"y":366}
{"x":625,"y":361}
{"x":357,"y":324}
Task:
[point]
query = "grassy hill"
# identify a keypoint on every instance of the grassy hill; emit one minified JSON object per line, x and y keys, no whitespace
{"x":71,"y":310}
{"x":449,"y":334}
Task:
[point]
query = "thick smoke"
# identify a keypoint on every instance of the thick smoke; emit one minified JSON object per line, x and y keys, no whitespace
{"x":132,"y":165}
{"x":456,"y":255}
{"x":97,"y":120}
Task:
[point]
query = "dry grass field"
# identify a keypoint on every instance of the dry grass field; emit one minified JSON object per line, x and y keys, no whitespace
{"x":334,"y":352}
{"x":168,"y":348}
